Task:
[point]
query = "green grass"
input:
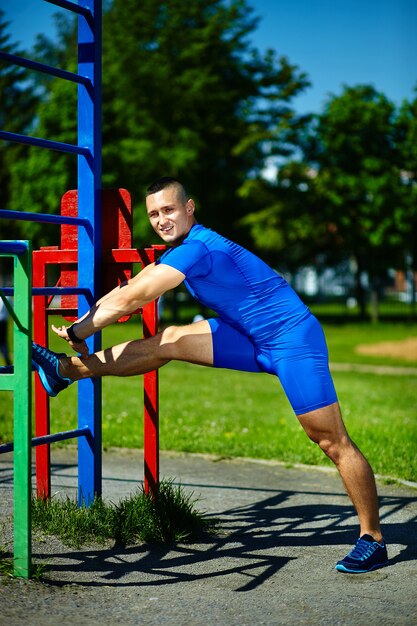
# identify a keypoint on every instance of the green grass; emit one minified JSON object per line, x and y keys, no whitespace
{"x":344,"y":338}
{"x":170,"y":517}
{"x":6,"y":562}
{"x":238,"y":414}
{"x":7,"y":566}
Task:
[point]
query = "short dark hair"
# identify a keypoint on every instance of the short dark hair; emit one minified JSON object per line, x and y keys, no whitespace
{"x":163,"y":183}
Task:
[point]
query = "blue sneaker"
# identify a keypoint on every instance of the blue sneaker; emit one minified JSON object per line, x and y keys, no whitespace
{"x":46,"y":363}
{"x":366,"y":556}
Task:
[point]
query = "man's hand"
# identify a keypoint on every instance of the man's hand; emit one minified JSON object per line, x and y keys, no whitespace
{"x":79,"y":346}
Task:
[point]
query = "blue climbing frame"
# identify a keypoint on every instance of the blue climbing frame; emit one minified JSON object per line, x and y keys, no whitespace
{"x":88,"y":151}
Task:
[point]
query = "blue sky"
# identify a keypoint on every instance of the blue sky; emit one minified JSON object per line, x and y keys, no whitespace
{"x":336,"y":42}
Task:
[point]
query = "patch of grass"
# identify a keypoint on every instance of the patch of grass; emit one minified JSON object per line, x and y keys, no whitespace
{"x":6,"y":562}
{"x":74,"y":525}
{"x":170,"y":517}
{"x":7,"y":566}
{"x":231,"y":413}
{"x":343,"y":339}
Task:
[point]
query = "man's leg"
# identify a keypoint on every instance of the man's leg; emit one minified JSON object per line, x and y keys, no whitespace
{"x":326,"y":428}
{"x":192,"y":343}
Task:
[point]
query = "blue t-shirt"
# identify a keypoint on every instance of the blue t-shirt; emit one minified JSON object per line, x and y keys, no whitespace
{"x":243,"y":290}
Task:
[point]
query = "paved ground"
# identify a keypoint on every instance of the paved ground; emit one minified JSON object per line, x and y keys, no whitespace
{"x":282,"y":530}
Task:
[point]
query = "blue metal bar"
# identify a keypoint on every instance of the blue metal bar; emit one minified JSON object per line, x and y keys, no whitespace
{"x":39,"y":441}
{"x":45,"y":143}
{"x":46,"y":69}
{"x":75,"y":8}
{"x":13,"y":247}
{"x":43,"y":217}
{"x":89,"y":246}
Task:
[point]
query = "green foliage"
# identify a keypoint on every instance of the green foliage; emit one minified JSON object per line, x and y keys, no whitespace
{"x":40,"y":177}
{"x":286,"y":224}
{"x":184,"y":94}
{"x":359,"y":173}
{"x":171,"y":516}
{"x":360,"y":182}
{"x":350,"y":194}
{"x":406,"y":129}
{"x":18,"y":102}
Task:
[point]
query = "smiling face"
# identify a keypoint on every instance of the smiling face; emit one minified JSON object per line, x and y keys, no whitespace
{"x":171,"y":214}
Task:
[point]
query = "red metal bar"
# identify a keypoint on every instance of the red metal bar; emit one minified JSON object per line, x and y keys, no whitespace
{"x":151,"y":399}
{"x":42,"y":411}
{"x":111,"y":258}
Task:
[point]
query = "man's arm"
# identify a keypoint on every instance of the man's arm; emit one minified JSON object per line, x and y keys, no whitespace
{"x":150,"y":283}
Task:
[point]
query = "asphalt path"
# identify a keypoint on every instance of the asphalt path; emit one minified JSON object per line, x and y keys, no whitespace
{"x":281,"y":531}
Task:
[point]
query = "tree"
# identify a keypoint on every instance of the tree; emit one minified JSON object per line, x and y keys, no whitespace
{"x":406,"y":138}
{"x":16,"y":115}
{"x":184,"y":94}
{"x":40,"y":177}
{"x":286,"y":222}
{"x":359,"y":180}
{"x":348,"y":193}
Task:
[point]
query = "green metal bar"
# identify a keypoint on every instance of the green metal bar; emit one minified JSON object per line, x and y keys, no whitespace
{"x":23,"y":415}
{"x":7,"y":382}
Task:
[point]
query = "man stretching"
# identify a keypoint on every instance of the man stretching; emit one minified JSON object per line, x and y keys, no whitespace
{"x":262,"y":326}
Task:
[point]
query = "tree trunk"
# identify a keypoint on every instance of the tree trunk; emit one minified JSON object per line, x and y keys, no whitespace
{"x":360,"y":290}
{"x":374,"y":303}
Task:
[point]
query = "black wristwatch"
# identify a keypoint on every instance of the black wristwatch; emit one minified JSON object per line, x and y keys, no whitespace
{"x":71,"y":334}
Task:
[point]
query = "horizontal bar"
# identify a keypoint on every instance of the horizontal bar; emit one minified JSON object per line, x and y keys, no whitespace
{"x":39,"y":441}
{"x":61,"y":311}
{"x":127,"y":255}
{"x":13,"y":247}
{"x":45,"y":143}
{"x":7,"y":380}
{"x":45,"y":69}
{"x":70,"y":6}
{"x":43,"y":217}
{"x":57,"y":256}
{"x":52,"y":291}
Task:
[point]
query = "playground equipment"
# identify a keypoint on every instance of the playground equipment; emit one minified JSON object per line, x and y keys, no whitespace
{"x":117,"y":259}
{"x":18,"y":380}
{"x":87,"y":252}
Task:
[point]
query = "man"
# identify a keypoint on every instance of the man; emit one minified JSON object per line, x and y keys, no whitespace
{"x":262,"y":326}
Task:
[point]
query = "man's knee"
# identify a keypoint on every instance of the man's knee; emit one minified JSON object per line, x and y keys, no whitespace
{"x":169,"y":343}
{"x":191,"y":343}
{"x":174,"y":341}
{"x":325,"y":427}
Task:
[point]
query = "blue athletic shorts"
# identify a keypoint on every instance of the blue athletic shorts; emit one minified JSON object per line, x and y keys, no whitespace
{"x":299,"y":358}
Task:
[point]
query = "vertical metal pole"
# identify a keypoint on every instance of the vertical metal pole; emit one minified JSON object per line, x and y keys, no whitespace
{"x":22,"y":398}
{"x":89,"y":241}
{"x":42,"y":408}
{"x":151,"y":403}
